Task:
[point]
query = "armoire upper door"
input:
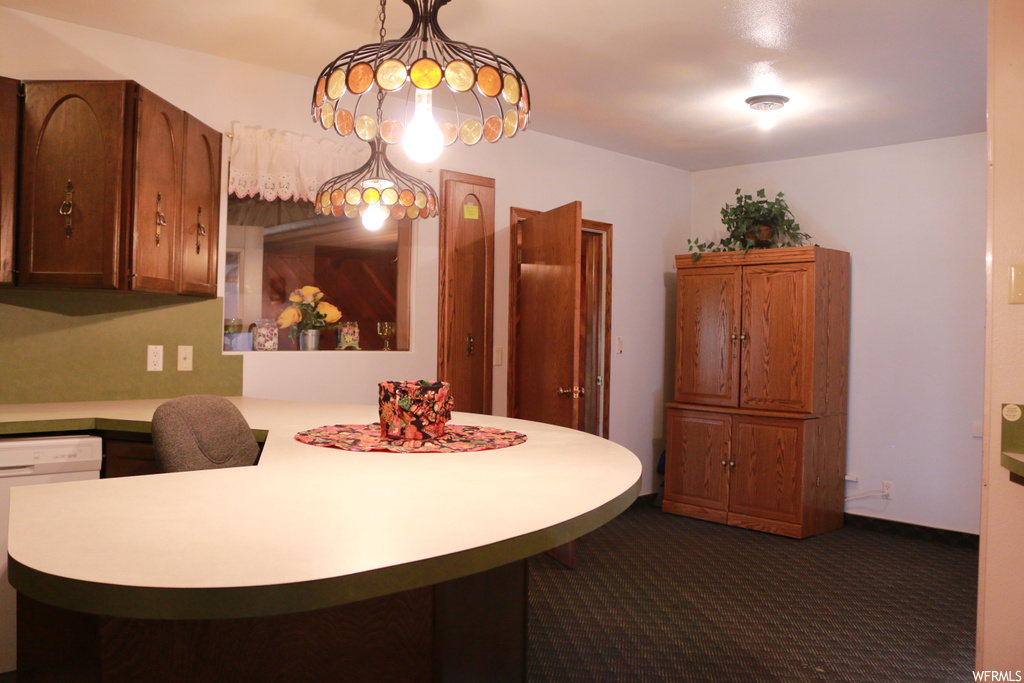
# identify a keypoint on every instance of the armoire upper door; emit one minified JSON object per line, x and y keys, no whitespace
{"x":777,"y":351}
{"x":708,"y":336}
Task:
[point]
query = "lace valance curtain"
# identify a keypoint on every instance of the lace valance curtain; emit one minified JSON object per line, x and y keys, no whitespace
{"x":278,"y":164}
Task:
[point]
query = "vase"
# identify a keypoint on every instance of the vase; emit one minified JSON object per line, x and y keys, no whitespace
{"x":309,"y":340}
{"x":264,"y":336}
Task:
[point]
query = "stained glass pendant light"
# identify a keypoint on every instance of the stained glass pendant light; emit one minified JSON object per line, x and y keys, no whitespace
{"x":487,"y":96}
{"x":376,"y":191}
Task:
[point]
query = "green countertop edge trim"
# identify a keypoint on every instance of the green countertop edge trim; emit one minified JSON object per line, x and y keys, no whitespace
{"x":1012,"y":463}
{"x":262,"y":601}
{"x":88,"y":424}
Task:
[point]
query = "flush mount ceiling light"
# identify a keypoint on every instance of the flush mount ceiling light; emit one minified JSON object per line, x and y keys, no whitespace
{"x":376,"y":191}
{"x":487,"y":95}
{"x":767,"y":102}
{"x":767,"y":106}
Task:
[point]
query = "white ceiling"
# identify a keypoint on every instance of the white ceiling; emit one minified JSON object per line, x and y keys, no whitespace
{"x":662,"y":80}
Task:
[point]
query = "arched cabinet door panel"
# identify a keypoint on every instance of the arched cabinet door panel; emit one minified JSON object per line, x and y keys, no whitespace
{"x":71,"y":223}
{"x":156,"y":233}
{"x":200,"y":209}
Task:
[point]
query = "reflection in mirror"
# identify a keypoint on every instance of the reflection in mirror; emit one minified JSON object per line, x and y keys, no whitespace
{"x":283,"y":245}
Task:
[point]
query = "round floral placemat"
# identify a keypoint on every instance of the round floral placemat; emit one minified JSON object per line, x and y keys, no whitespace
{"x":457,"y":438}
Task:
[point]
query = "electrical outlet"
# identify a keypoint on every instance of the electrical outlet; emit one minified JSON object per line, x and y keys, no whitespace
{"x":154,"y":358}
{"x":184,"y":358}
{"x":499,"y":355}
{"x":887,"y":489}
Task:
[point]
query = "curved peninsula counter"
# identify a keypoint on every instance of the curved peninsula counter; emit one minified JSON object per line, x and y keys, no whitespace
{"x":372,"y":553}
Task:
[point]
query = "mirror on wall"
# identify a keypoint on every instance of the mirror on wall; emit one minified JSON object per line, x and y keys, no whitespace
{"x":275,"y":247}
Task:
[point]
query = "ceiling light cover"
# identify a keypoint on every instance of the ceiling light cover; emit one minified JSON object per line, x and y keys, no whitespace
{"x":377,"y":183}
{"x":486,"y":93}
{"x":767,"y":102}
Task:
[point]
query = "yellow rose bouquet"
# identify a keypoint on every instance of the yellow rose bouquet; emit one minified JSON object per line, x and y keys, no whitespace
{"x":308,"y":311}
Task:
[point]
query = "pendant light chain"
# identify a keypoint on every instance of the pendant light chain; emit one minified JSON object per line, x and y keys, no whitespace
{"x":383,"y":34}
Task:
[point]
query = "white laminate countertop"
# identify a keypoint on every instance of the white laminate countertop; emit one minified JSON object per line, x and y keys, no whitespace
{"x":309,"y":527}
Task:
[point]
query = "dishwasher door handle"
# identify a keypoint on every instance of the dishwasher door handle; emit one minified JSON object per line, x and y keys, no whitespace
{"x":17,"y":471}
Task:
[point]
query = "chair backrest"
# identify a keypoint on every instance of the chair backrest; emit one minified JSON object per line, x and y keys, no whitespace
{"x":201,"y":432}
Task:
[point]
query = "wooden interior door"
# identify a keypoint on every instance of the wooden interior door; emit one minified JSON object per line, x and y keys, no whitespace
{"x":549,"y":360}
{"x":466,"y":289}
{"x":778,"y":353}
{"x":596,"y":312}
{"x":708,"y":336}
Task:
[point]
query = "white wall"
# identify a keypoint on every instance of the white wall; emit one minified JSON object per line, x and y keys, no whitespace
{"x":913,"y":218}
{"x":648,"y":205}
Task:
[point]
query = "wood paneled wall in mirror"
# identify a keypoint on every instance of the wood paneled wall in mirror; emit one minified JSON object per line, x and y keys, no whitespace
{"x":280,"y":246}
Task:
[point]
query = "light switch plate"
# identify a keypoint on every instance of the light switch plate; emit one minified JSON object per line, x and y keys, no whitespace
{"x":185,"y":358}
{"x":1017,"y":283}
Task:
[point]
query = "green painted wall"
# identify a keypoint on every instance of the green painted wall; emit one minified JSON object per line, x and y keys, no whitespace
{"x":91,"y":346}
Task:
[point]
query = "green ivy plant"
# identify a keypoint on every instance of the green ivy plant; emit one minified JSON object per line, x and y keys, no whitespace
{"x":754,"y":224}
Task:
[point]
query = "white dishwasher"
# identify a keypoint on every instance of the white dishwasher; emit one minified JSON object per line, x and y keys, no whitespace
{"x":43,"y":460}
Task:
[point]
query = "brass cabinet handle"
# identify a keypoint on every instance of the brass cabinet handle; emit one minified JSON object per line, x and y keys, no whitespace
{"x":161,"y":220}
{"x":469,"y":344}
{"x":575,"y":392}
{"x":200,"y":229}
{"x":67,"y":207}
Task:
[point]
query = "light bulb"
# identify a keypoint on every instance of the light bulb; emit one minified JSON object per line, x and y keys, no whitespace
{"x":374,"y":217}
{"x":423,"y":138}
{"x":766,"y":120}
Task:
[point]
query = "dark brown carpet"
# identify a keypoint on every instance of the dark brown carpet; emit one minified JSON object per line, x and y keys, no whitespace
{"x":658,"y":597}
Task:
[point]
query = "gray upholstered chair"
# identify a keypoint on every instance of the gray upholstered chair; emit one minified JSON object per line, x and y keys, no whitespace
{"x":201,"y":432}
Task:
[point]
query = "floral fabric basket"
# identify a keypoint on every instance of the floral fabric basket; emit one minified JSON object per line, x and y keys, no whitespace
{"x":414,"y":410}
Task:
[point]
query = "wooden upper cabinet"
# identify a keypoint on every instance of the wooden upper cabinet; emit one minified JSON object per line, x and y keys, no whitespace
{"x":108,"y":169}
{"x":156,"y":236}
{"x":71,"y":221}
{"x":200,"y":209}
{"x":763,"y":330}
{"x":9,"y":115}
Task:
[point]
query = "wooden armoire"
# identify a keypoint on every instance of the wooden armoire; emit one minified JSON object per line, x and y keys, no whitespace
{"x":756,"y":433}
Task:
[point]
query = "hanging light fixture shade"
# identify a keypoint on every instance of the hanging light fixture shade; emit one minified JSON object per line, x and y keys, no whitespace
{"x":377,"y":188}
{"x":486,"y":94}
